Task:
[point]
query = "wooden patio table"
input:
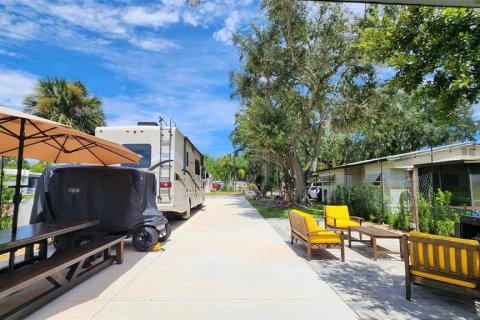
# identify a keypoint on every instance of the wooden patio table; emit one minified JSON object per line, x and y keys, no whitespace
{"x":374,"y":234}
{"x":38,"y":233}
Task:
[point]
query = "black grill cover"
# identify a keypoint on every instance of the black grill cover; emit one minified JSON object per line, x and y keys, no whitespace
{"x":122,"y":198}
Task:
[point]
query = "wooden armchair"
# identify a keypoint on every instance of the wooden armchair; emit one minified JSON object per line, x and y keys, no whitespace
{"x":304,"y":228}
{"x":338,"y":217}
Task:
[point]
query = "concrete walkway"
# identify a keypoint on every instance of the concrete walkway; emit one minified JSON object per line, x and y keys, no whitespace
{"x":225,"y":262}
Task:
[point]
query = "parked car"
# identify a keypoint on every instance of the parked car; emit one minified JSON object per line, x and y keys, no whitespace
{"x":217,"y":185}
{"x":313,"y":192}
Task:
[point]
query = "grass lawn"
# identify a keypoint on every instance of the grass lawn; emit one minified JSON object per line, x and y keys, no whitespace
{"x":224,"y":193}
{"x":316,"y":210}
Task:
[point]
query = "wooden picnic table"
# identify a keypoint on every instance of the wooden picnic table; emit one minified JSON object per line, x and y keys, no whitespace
{"x":56,"y":273}
{"x":374,"y":234}
{"x":38,"y":233}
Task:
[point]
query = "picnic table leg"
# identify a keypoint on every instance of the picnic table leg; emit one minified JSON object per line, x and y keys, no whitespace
{"x":42,"y":249}
{"x":374,"y":247}
{"x":119,"y":252}
{"x":349,"y":238}
{"x":11,"y":260}
{"x":401,"y":249}
{"x":29,"y":252}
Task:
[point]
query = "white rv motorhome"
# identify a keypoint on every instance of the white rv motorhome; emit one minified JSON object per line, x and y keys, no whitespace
{"x":165,"y":151}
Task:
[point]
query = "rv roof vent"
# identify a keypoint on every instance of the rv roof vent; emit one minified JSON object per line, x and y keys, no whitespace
{"x":154,"y":124}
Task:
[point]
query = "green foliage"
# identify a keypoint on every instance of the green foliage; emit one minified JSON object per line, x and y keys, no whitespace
{"x":403,"y":218}
{"x":11,"y":163}
{"x":439,"y":217}
{"x":273,"y":212}
{"x":67,"y":102}
{"x":435,"y":49}
{"x":292,"y":64}
{"x":6,"y":208}
{"x":365,"y":202}
{"x":40,"y":166}
{"x":226,"y":168}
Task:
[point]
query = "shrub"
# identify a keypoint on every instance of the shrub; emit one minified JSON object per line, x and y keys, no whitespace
{"x":6,"y":208}
{"x":366,"y":202}
{"x":437,"y":218}
{"x":402,"y":219}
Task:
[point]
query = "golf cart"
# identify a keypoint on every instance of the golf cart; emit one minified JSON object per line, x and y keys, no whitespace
{"x":122,"y":199}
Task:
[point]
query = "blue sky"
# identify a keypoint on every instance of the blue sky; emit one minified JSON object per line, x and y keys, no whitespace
{"x":143,"y":58}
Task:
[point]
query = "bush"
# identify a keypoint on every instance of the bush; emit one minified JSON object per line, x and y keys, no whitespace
{"x":438,"y":218}
{"x":402,"y":219}
{"x":227,"y":189}
{"x":366,"y":202}
{"x":6,"y":208}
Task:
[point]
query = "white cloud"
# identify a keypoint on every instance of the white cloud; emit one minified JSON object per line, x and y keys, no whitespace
{"x":476,"y":111}
{"x":14,"y":86}
{"x":200,"y":116}
{"x":14,"y":27}
{"x":153,"y":44}
{"x":190,"y":19}
{"x":231,"y":25}
{"x":145,"y":16}
{"x":4,"y":52}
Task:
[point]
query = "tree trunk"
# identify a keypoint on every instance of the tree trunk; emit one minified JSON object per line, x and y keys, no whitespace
{"x":266,"y":176}
{"x":300,"y":182}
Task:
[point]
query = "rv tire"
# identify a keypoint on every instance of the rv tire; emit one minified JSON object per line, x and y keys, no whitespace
{"x":186,"y":214}
{"x":144,"y":239}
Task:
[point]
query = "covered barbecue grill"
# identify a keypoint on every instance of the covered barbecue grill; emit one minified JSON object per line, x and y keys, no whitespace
{"x":123,"y":199}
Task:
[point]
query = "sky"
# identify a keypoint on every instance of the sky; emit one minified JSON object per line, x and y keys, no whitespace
{"x":144,"y":59}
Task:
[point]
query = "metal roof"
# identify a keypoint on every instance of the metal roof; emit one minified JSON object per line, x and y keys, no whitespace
{"x":402,"y":155}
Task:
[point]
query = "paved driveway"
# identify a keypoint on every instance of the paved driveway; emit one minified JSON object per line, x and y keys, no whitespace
{"x":225,"y":262}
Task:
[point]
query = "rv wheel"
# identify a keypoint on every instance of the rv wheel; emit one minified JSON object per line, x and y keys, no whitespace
{"x":165,"y":233}
{"x":144,"y":239}
{"x":186,"y":214}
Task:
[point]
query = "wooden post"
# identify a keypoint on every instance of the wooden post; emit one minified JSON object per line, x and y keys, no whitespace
{"x":414,"y":204}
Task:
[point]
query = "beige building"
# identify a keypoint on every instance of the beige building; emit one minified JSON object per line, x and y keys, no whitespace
{"x":455,"y":168}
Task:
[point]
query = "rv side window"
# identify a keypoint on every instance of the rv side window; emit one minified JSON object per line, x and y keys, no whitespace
{"x":197,"y":167}
{"x":145,"y":150}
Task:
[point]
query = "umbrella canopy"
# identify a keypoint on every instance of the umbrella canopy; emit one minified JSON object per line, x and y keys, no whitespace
{"x":24,"y":135}
{"x":51,"y":141}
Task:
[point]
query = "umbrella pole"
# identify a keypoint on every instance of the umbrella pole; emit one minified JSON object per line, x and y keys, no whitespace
{"x":1,"y":188}
{"x":17,"y":198}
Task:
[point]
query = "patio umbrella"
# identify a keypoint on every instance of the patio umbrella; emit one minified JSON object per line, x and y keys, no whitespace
{"x":26,"y":136}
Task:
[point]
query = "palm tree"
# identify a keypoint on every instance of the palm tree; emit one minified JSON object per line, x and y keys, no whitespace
{"x":67,"y":102}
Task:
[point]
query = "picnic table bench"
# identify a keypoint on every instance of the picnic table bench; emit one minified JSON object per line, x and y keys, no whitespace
{"x":55,"y":274}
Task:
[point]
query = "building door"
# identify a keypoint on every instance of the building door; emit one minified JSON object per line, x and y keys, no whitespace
{"x":475,"y":180}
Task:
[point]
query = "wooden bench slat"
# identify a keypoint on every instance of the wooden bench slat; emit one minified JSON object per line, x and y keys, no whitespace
{"x":12,"y":282}
{"x":426,"y":263}
{"x":446,"y":252}
{"x":436,"y":265}
{"x":415,"y":254}
{"x":458,"y":261}
{"x":470,"y":262}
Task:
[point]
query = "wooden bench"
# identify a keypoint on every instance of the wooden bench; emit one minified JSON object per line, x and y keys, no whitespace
{"x":446,"y":263}
{"x":63,"y":271}
{"x":305,"y":229}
